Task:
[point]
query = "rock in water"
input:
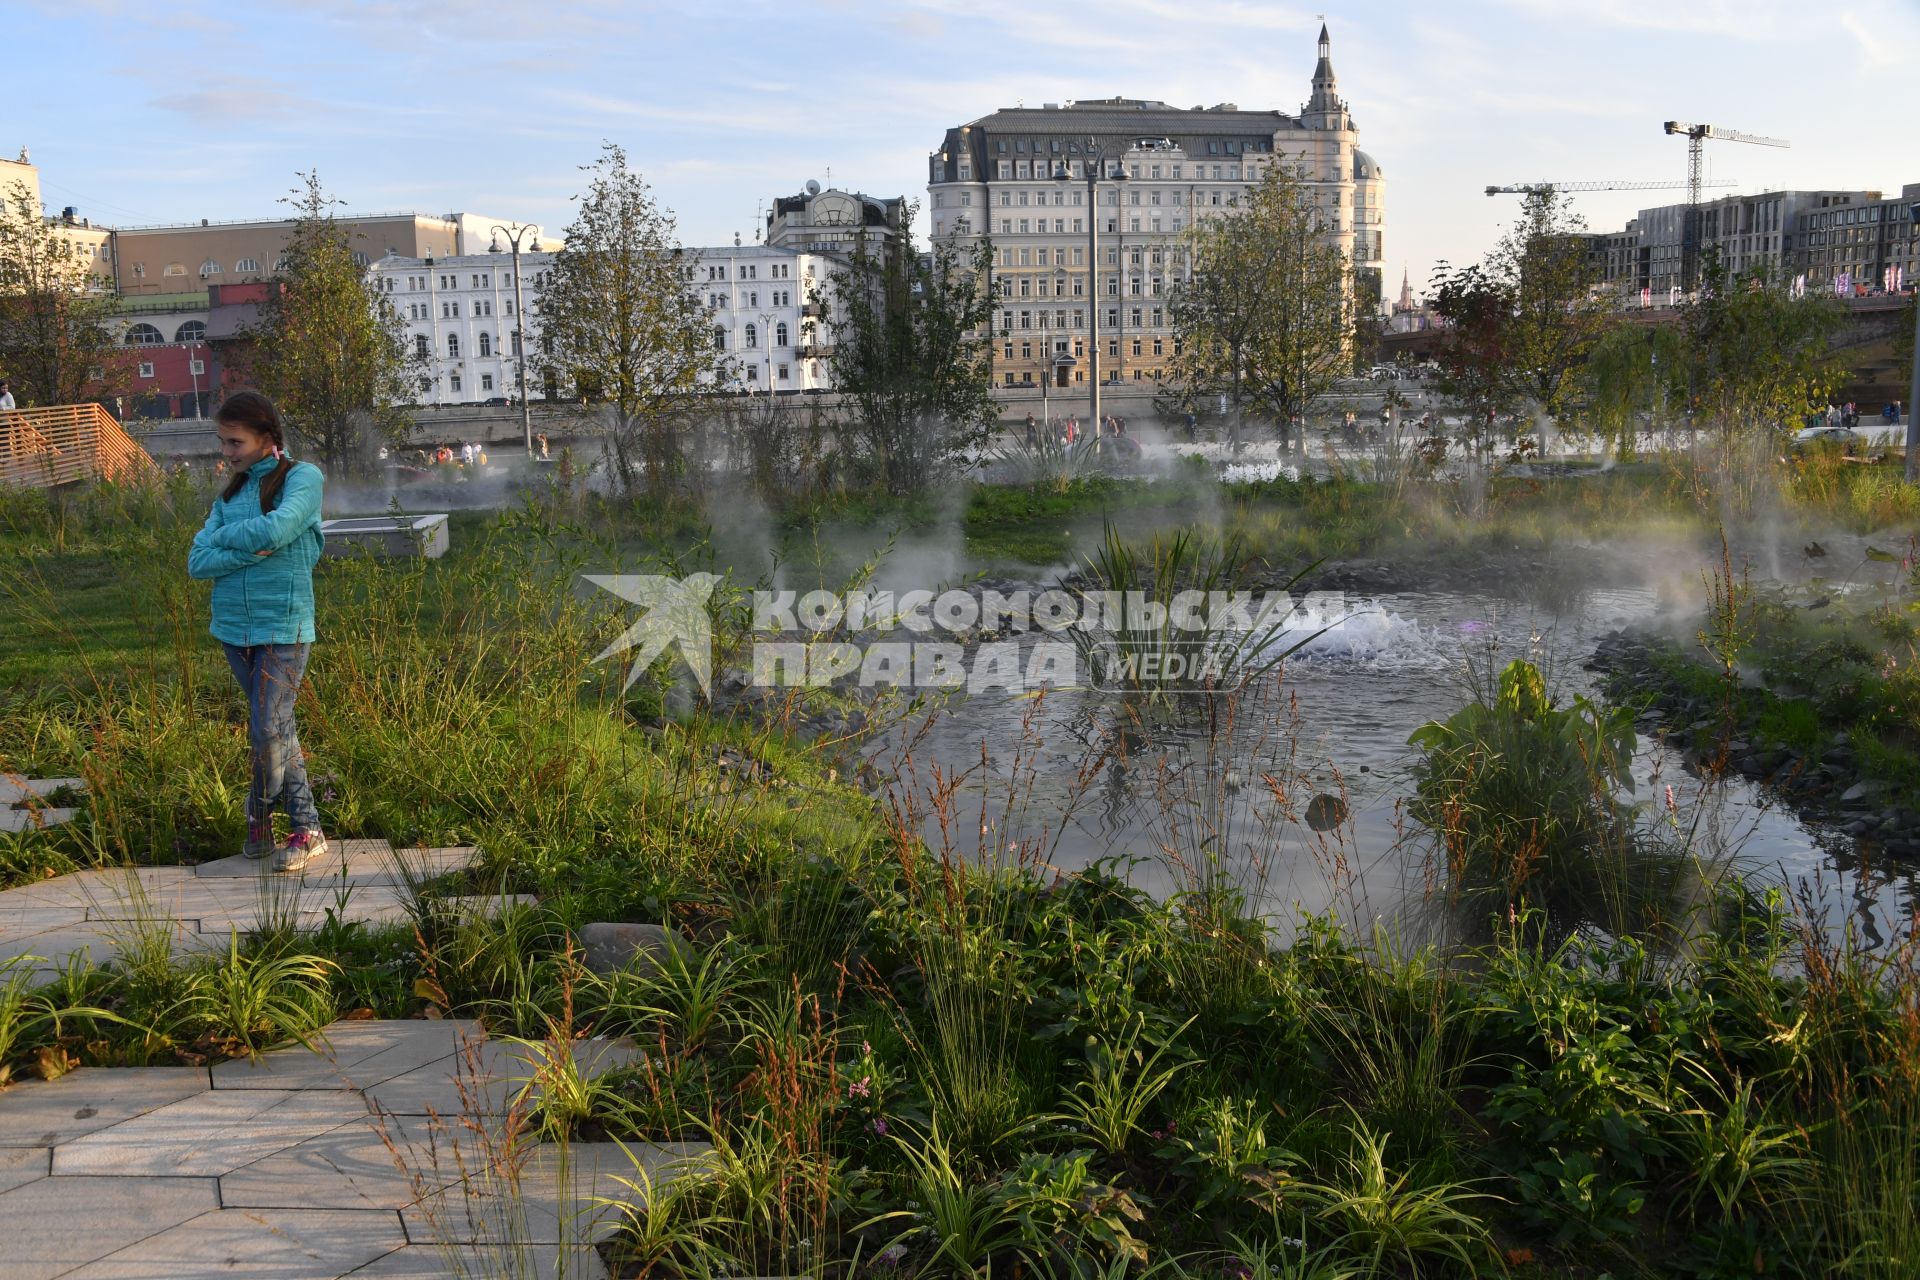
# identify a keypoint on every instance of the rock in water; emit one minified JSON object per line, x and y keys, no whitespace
{"x":1325,"y":812}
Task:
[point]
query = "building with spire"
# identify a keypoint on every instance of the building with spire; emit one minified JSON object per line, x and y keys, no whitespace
{"x":999,"y":178}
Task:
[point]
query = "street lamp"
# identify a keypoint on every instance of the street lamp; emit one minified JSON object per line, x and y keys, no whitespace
{"x":1095,"y":159}
{"x":520,"y":323}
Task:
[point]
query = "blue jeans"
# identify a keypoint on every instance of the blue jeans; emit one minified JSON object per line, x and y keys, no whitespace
{"x":270,"y":673}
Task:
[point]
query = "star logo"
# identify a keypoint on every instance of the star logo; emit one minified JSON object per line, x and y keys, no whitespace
{"x":676,"y":614}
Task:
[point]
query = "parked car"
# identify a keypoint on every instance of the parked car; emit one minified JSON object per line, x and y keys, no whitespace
{"x":1807,"y":437}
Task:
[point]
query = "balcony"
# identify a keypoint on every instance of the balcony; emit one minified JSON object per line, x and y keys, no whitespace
{"x":813,"y":310}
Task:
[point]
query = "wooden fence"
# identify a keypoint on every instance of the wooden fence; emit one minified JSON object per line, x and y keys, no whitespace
{"x":62,"y":443}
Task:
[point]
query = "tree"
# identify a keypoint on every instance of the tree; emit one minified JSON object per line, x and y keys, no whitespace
{"x":1635,"y":371}
{"x":1522,"y":322}
{"x":1756,"y":355}
{"x":330,"y":350}
{"x":1264,"y":317}
{"x":55,"y":341}
{"x":622,"y":324}
{"x":913,"y":356}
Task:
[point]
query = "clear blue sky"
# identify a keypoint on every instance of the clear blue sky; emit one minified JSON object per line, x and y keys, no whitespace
{"x":171,"y":110}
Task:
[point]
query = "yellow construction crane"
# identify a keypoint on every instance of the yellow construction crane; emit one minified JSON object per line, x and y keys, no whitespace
{"x":1696,"y":136}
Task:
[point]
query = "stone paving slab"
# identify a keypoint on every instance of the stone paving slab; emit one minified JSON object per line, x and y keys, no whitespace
{"x":376,"y":1162}
{"x":353,"y":1055}
{"x":21,"y":1165}
{"x":15,"y":789}
{"x":46,"y":1113}
{"x":37,"y":819}
{"x":209,"y":1134}
{"x":486,"y":1077}
{"x":470,"y":1261}
{"x":285,"y":1244}
{"x":597,"y":1177}
{"x":44,"y":1235}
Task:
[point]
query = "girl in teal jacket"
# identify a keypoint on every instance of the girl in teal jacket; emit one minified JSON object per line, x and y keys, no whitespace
{"x":259,"y":546}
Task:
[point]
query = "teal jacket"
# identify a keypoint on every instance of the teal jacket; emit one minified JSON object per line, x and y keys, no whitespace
{"x":263,"y":599}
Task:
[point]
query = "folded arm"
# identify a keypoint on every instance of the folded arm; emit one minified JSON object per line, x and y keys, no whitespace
{"x":207,"y":560}
{"x":298,"y":508}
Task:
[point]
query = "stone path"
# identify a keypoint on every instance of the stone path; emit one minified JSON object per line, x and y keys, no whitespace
{"x":23,"y":803}
{"x":377,"y":1157}
{"x":104,"y":911}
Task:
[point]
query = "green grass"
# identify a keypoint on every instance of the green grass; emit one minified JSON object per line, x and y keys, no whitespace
{"x":918,"y":1057}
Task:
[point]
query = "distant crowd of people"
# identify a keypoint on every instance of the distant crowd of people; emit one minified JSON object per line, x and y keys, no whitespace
{"x":1068,"y":431}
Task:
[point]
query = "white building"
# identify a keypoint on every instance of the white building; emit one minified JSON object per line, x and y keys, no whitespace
{"x":459,"y":314}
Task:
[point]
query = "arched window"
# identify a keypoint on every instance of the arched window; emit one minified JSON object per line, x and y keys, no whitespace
{"x":486,"y":344}
{"x":753,"y":337}
{"x":420,"y":346}
{"x":719,"y":338}
{"x":209,"y":268}
{"x":143,"y":335}
{"x":453,"y":346}
{"x":246,"y":265}
{"x":191,"y":331}
{"x":780,"y":334}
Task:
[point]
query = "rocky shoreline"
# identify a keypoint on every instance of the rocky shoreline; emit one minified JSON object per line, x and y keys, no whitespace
{"x":1825,"y":785}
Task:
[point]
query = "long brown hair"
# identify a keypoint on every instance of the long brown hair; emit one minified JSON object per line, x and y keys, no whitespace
{"x":255,"y":412}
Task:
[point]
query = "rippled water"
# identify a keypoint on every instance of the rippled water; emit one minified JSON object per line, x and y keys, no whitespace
{"x":1335,"y":720}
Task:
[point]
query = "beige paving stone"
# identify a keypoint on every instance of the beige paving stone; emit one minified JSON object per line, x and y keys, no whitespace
{"x":281,"y":1244}
{"x":53,"y":1225}
{"x":378,"y":1162}
{"x":352,"y":1055}
{"x":45,"y":1113}
{"x":21,"y":1165}
{"x":209,"y":1134}
{"x":469,"y":1261}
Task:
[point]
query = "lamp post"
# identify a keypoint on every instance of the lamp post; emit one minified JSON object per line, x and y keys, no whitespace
{"x":1095,"y":159}
{"x":520,"y":324}
{"x":1913,"y":387}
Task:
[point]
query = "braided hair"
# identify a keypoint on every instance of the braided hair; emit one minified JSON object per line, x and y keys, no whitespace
{"x":255,"y":412}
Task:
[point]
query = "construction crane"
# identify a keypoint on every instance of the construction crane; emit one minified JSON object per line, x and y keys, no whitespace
{"x":1696,"y":136}
{"x":1605,"y":184}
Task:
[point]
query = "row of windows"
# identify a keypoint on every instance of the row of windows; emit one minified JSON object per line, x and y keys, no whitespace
{"x":423,"y":346}
{"x":450,"y":281}
{"x":750,"y":336}
{"x":1080,"y":375}
{"x":1215,"y":146}
{"x":245,"y":266}
{"x":1075,"y":319}
{"x":751,"y":271}
{"x":777,"y":298}
{"x":145,"y":335}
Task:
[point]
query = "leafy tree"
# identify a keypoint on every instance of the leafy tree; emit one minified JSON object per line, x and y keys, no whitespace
{"x":1634,"y":372}
{"x":54,"y":310}
{"x":913,"y":357}
{"x":1522,"y":322}
{"x":330,"y":350}
{"x":1264,"y":320}
{"x":1756,"y":356}
{"x":621,"y":323}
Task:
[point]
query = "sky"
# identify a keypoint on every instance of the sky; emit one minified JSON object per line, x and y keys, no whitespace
{"x":175,"y":110}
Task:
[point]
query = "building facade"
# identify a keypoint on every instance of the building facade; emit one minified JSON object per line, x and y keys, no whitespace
{"x":1017,"y":178}
{"x":828,"y":220}
{"x":1826,"y":236}
{"x":461,"y":324}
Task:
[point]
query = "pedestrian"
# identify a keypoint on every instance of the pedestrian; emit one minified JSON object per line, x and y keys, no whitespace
{"x":6,"y":394}
{"x":466,"y":454}
{"x":1193,"y":428}
{"x":259,"y":546}
{"x":543,"y":447}
{"x":1033,"y":435}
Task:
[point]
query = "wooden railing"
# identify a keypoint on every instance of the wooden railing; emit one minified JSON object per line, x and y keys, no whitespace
{"x":62,"y":443}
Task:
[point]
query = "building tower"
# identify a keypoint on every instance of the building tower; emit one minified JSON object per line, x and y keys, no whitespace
{"x":1324,"y":108}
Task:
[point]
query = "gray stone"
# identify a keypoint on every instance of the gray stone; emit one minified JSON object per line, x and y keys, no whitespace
{"x":608,"y":946}
{"x":18,"y":790}
{"x":483,"y":1079}
{"x":551,"y":1204}
{"x":285,"y":1244}
{"x":214,"y":1133}
{"x":378,"y":1162}
{"x":467,"y":1261}
{"x":21,"y":1165}
{"x":352,"y":1055}
{"x":45,"y":1234}
{"x":45,"y":1113}
{"x":18,"y":820}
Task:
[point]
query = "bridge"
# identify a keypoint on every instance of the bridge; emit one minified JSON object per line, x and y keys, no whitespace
{"x":62,"y":443}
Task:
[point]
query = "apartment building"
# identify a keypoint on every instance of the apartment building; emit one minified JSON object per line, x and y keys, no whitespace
{"x":1017,"y":178}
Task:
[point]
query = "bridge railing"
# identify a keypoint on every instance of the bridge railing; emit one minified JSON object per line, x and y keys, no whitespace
{"x":58,"y":444}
